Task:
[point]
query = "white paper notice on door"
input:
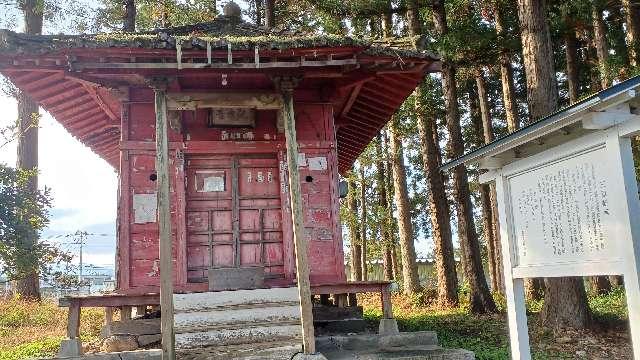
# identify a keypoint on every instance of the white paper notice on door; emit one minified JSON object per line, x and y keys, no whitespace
{"x":317,"y":163}
{"x":213,"y":184}
{"x":144,"y":208}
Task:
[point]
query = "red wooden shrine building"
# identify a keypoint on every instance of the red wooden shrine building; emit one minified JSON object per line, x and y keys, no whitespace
{"x":229,"y":193}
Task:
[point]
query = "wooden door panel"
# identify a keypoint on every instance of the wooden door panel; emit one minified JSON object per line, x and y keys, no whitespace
{"x":234,"y":215}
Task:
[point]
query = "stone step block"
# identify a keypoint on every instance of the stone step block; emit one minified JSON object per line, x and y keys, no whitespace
{"x":234,"y":317}
{"x":262,"y":351}
{"x":247,"y":335}
{"x":221,"y":299}
{"x":375,"y":341}
{"x":323,"y":312}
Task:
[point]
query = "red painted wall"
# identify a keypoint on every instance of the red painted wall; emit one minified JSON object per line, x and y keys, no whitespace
{"x":137,"y":265}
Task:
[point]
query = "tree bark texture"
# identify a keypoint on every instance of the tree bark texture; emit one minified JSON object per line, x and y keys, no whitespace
{"x":600,"y":41}
{"x":387,"y":22}
{"x":506,"y":76}
{"x":410,"y":280}
{"x":565,"y":299}
{"x":571,"y":56}
{"x":129,"y":16}
{"x":258,"y":4}
{"x":542,"y":89}
{"x":481,"y":119}
{"x":269,"y":13}
{"x":27,"y":157}
{"x":383,"y":206}
{"x":393,"y":224}
{"x":600,"y":285}
{"x":481,"y":299}
{"x":354,"y":231}
{"x":363,"y":225}
{"x":632,"y":21}
{"x":439,"y":210}
{"x":565,"y":303}
{"x":534,"y":289}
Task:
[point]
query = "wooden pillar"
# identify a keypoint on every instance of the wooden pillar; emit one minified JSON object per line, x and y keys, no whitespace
{"x":385,"y":299}
{"x":164,"y":223}
{"x":108,"y":315}
{"x":286,"y":86}
{"x":73,"y":320}
{"x":125,"y":313}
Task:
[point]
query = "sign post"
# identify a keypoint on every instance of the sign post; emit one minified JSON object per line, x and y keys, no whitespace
{"x":571,"y":209}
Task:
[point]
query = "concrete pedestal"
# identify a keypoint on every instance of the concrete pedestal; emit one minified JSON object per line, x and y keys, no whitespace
{"x":388,"y":327}
{"x":70,"y":348}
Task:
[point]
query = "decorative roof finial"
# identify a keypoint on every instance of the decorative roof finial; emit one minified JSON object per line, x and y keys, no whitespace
{"x":231,"y":9}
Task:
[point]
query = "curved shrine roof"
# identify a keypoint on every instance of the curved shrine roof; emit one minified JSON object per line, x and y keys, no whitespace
{"x":77,"y":78}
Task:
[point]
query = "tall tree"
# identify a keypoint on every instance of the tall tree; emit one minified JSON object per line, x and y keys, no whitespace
{"x":393,"y":224}
{"x":28,"y":117}
{"x":632,"y":21}
{"x":354,"y":229}
{"x":363,"y":224}
{"x":506,"y":70}
{"x":600,"y":41}
{"x":571,"y":56}
{"x":481,"y":299}
{"x":383,"y":209}
{"x":484,"y":135}
{"x":410,"y":280}
{"x":565,"y":302}
{"x":438,"y":204}
{"x":269,"y":13}
{"x":129,"y":16}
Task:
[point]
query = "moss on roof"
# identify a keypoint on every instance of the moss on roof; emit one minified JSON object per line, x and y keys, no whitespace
{"x":221,"y":33}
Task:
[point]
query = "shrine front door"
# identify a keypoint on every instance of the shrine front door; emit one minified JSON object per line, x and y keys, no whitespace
{"x":234,"y":221}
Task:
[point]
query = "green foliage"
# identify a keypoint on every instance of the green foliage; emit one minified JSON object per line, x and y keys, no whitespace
{"x":23,"y":215}
{"x":610,"y":308}
{"x":42,"y":348}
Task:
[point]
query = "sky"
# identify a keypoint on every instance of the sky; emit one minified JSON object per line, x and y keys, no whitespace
{"x":83,"y":187}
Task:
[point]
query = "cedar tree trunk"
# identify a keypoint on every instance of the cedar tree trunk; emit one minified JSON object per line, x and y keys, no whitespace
{"x":354,"y":231}
{"x":129,"y":16}
{"x":383,"y":204}
{"x":600,"y":41}
{"x":269,"y":13}
{"x":410,"y":280}
{"x":363,"y":225}
{"x":481,"y":299}
{"x":632,"y":21}
{"x":565,"y":299}
{"x":28,"y":115}
{"x":506,"y":75}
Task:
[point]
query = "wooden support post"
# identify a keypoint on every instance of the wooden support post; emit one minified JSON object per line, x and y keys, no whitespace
{"x":73,"y":320}
{"x":125,"y":313}
{"x":341,"y":300}
{"x":141,"y":310}
{"x":286,"y":86}
{"x":324,"y":300}
{"x":387,"y":310}
{"x":108,"y":315}
{"x":164,"y":222}
{"x":353,"y":300}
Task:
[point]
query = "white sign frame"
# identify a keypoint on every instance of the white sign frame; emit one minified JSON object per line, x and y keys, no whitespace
{"x":622,"y":190}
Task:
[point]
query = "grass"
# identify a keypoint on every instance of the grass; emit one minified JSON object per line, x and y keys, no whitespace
{"x":30,"y":329}
{"x":34,"y":329}
{"x":487,"y":335}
